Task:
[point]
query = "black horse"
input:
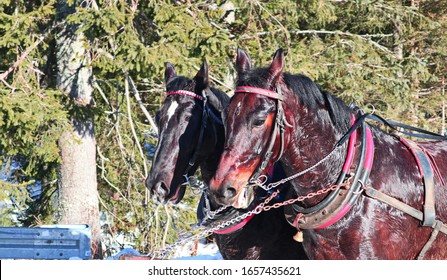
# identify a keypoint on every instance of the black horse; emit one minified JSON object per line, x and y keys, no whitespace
{"x":378,"y":196}
{"x":191,"y":135}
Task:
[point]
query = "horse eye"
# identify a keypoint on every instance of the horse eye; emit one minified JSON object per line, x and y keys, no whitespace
{"x":258,"y":122}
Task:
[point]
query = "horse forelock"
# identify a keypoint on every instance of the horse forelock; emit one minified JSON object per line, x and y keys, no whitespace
{"x":180,"y":83}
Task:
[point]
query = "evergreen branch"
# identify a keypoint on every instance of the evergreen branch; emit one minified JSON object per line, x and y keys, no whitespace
{"x":363,"y":37}
{"x":120,"y":140}
{"x":157,"y":223}
{"x":101,"y":92}
{"x":24,"y":55}
{"x":231,"y":36}
{"x":108,"y":210}
{"x":387,"y":79}
{"x":168,"y":221}
{"x":5,"y":184}
{"x":286,"y":32}
{"x":366,"y":37}
{"x":102,"y":167}
{"x":130,"y":81}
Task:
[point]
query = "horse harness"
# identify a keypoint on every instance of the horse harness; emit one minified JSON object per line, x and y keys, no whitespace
{"x":335,"y":205}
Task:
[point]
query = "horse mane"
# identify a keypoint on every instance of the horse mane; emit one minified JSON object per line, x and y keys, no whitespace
{"x":308,"y":92}
{"x":223,"y":98}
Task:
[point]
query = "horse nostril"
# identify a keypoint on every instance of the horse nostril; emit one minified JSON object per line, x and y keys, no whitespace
{"x":228,"y":192}
{"x":161,"y":190}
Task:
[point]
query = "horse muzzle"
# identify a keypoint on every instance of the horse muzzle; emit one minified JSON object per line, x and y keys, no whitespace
{"x":227,"y":194}
{"x":163,"y":193}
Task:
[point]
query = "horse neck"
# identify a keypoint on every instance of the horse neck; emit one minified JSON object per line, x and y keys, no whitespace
{"x":311,"y":139}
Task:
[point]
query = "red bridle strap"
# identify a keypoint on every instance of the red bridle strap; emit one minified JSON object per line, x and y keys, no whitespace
{"x":261,"y":91}
{"x":185,"y":92}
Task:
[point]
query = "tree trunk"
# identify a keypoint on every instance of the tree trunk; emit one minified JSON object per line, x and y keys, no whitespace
{"x":78,"y":194}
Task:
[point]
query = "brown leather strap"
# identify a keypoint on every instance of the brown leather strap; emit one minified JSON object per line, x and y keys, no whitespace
{"x":436,"y":228}
{"x":429,"y":184}
{"x":394,"y":202}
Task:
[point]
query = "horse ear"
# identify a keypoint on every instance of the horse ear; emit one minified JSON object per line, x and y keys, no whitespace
{"x":277,"y":66}
{"x":169,"y":72}
{"x":202,"y":77}
{"x":243,"y":61}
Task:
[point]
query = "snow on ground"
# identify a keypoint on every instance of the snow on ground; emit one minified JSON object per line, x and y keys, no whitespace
{"x":188,"y":251}
{"x":204,"y":251}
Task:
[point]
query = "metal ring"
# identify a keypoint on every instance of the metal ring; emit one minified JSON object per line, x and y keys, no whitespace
{"x":260,"y":181}
{"x":373,"y":109}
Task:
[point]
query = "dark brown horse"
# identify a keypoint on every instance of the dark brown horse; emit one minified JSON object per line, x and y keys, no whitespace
{"x":377,"y":196}
{"x":191,"y":135}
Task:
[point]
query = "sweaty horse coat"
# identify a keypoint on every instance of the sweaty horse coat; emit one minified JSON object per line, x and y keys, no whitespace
{"x":312,"y":123}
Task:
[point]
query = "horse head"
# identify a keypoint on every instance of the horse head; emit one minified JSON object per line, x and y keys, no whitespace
{"x":188,"y":123}
{"x":251,"y":118}
{"x":271,"y":114}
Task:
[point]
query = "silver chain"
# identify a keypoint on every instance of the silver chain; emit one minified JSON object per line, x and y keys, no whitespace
{"x":204,"y":232}
{"x":200,"y":187}
{"x":197,"y":186}
{"x":212,"y":214}
{"x":260,"y":182}
{"x":258,"y":209}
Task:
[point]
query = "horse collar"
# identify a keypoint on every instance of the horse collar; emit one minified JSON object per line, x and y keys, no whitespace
{"x":337,"y":204}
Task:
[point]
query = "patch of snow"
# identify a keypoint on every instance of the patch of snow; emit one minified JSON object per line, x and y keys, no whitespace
{"x":198,"y":251}
{"x":189,"y":251}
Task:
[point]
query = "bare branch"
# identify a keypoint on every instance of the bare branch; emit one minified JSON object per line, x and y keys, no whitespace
{"x":140,"y":103}
{"x":137,"y":141}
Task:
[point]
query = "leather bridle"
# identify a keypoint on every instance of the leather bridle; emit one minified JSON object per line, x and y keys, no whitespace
{"x":206,"y":112}
{"x":279,"y":127}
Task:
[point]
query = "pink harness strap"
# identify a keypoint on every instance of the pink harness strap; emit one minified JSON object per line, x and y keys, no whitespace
{"x":235,"y":227}
{"x":185,"y":92}
{"x":369,"y":156}
{"x":261,"y":91}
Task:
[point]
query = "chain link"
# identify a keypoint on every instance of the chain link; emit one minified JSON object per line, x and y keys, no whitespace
{"x":197,"y":186}
{"x":206,"y":231}
{"x":260,"y":182}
